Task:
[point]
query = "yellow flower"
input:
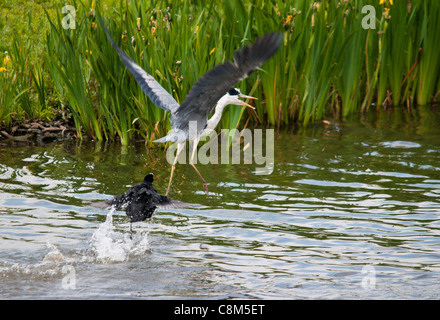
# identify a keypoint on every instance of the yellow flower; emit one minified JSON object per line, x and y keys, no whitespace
{"x":138,"y":23}
{"x":288,"y":19}
{"x":3,"y":69}
{"x":391,"y":2}
{"x":212,"y":51}
{"x":93,"y":24}
{"x":6,"y":60}
{"x":381,"y":1}
{"x":124,"y":36}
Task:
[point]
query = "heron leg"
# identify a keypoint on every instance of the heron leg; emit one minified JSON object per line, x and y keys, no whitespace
{"x":171,"y":178}
{"x":179,"y":150}
{"x":205,"y":186}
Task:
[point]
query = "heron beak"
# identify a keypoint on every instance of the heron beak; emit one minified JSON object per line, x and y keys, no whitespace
{"x":242,"y":96}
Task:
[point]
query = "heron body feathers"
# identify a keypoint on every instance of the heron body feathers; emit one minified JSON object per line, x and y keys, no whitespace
{"x":148,"y":84}
{"x":208,"y":90}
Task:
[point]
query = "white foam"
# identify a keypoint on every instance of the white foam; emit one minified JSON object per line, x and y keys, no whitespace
{"x":48,"y":267}
{"x":109,"y":245}
{"x":54,"y":255}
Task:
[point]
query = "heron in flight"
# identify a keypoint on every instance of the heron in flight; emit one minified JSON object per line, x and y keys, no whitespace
{"x":213,"y":90}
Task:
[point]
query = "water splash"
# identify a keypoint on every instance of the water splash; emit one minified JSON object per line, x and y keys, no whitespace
{"x":54,"y":255}
{"x":110,"y":245}
{"x":49,"y":266}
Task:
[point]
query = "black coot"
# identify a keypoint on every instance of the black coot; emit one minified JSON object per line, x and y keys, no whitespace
{"x":142,"y":200}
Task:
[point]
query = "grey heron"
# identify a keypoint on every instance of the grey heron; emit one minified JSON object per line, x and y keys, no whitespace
{"x":213,"y":90}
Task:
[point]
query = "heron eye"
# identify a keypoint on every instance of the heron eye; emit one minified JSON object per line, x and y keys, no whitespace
{"x":233,"y":92}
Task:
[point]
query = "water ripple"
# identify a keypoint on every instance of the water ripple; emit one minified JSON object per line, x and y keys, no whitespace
{"x":309,"y":230}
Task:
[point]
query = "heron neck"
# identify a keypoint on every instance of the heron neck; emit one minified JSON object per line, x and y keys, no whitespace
{"x":215,"y":119}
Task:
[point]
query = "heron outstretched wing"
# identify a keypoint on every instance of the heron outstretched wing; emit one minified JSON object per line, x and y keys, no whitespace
{"x":206,"y":92}
{"x":148,"y":84}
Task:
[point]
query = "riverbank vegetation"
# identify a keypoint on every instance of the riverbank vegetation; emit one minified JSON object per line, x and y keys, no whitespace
{"x":338,"y":58}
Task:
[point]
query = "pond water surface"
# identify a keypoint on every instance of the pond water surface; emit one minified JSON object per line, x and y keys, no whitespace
{"x":351,"y":210}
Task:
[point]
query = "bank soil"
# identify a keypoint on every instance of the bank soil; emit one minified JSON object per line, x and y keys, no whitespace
{"x":38,"y":130}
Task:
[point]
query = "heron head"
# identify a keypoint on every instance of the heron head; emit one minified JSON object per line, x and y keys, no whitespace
{"x":233,"y":97}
